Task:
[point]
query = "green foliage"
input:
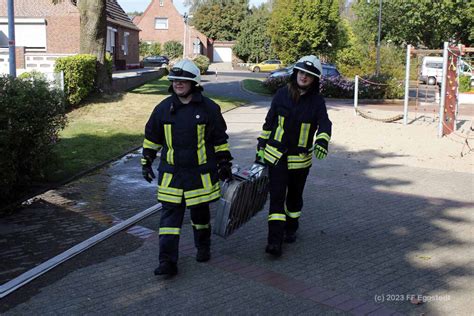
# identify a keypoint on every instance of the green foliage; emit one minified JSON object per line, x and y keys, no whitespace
{"x":273,"y":84}
{"x":427,"y":23}
{"x":79,"y":72}
{"x":172,"y":49}
{"x":109,"y":63}
{"x":149,"y":49}
{"x":370,"y":87}
{"x":464,"y":83}
{"x":220,"y":19}
{"x":31,"y":116}
{"x":202,"y":62}
{"x":34,"y":74}
{"x":299,"y":28}
{"x":382,"y":86}
{"x":253,"y":42}
{"x":134,"y":13}
{"x":359,"y":59}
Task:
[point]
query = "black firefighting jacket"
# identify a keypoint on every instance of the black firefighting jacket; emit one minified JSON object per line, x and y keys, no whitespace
{"x":193,"y":140}
{"x":289,"y":128}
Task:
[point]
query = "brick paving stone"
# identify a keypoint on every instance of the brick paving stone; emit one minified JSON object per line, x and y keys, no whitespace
{"x":351,"y":304}
{"x":365,"y":309}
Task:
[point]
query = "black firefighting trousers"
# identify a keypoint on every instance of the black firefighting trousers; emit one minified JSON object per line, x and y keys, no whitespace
{"x":170,"y":228}
{"x":286,"y":190}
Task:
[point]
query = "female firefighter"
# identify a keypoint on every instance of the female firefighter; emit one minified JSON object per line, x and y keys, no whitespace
{"x":297,"y":113}
{"x":190,"y":131}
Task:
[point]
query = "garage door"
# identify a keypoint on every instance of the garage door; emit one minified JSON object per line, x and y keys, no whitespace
{"x":222,"y":54}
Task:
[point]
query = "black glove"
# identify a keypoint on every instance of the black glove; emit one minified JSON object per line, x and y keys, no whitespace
{"x":147,"y":169}
{"x":321,"y":148}
{"x":224,"y":170}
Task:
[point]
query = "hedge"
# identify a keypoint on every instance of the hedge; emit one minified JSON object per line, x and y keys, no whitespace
{"x":202,"y":62}
{"x":31,"y":116}
{"x":79,"y":73}
{"x":339,"y":87}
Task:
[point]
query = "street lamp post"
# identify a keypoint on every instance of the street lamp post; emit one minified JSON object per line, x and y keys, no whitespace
{"x":11,"y":38}
{"x":185,"y":16}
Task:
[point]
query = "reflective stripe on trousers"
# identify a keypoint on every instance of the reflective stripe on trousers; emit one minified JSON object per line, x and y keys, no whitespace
{"x":170,"y":227}
{"x":286,"y":192}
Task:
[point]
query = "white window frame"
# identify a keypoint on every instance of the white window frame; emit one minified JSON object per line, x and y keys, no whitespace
{"x":165,"y":24}
{"x":161,"y":3}
{"x":110,"y":46}
{"x":125,"y":43}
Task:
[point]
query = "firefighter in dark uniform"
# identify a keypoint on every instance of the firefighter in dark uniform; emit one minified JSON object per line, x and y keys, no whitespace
{"x":190,"y":131}
{"x":297,"y":113}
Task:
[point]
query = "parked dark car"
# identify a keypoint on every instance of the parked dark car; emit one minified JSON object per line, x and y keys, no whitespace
{"x":156,"y":61}
{"x":329,"y":70}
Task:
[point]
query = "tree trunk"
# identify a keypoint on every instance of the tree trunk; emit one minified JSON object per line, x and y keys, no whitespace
{"x":93,"y":38}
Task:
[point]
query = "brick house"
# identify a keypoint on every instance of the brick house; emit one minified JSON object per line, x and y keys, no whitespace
{"x":44,"y":32}
{"x":161,"y":22}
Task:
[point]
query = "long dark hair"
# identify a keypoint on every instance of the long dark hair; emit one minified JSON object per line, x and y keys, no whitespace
{"x":294,"y":90}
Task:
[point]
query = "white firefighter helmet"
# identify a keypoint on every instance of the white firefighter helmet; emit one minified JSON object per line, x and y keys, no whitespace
{"x":185,"y":69}
{"x":310,"y":64}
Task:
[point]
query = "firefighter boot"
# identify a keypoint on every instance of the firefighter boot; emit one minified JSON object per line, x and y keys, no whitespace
{"x":166,"y":268}
{"x":274,"y":249}
{"x":203,"y":254}
{"x":291,"y":226}
{"x":275,"y":238}
{"x":202,"y":241}
{"x":290,"y":237}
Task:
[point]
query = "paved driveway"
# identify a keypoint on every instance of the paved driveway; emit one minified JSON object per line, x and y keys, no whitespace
{"x":371,"y":239}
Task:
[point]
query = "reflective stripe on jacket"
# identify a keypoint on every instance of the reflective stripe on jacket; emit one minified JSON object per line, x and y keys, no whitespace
{"x":192,"y":138}
{"x":289,"y":128}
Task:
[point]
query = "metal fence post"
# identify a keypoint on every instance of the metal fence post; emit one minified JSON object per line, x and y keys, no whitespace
{"x":443,"y":89}
{"x":356,"y":93}
{"x":407,"y":86}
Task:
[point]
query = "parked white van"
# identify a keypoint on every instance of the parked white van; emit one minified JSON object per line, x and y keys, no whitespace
{"x":431,"y":70}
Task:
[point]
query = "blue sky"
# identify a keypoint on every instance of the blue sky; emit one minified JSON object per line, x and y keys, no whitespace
{"x":140,"y":5}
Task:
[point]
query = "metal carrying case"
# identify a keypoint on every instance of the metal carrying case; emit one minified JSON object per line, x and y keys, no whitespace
{"x":241,"y":199}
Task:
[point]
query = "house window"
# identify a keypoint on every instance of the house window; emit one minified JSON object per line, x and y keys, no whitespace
{"x":197,"y":46}
{"x":110,"y":46}
{"x":161,"y":3}
{"x":125,"y":43}
{"x":161,"y":23}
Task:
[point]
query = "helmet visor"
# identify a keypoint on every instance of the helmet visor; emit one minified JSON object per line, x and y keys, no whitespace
{"x":179,"y":73}
{"x":308,"y":67}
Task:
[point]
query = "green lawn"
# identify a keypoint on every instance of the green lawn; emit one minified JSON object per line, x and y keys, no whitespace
{"x":106,"y":128}
{"x":256,"y":86}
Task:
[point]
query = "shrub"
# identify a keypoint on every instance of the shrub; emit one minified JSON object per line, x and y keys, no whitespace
{"x":339,"y":87}
{"x":273,"y":84}
{"x":336,"y":87}
{"x":172,"y":49}
{"x":149,"y":49}
{"x":79,"y":73}
{"x":34,"y":74}
{"x":109,"y":63}
{"x":464,"y":83}
{"x":31,"y":116}
{"x":380,"y":87}
{"x":202,"y":62}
